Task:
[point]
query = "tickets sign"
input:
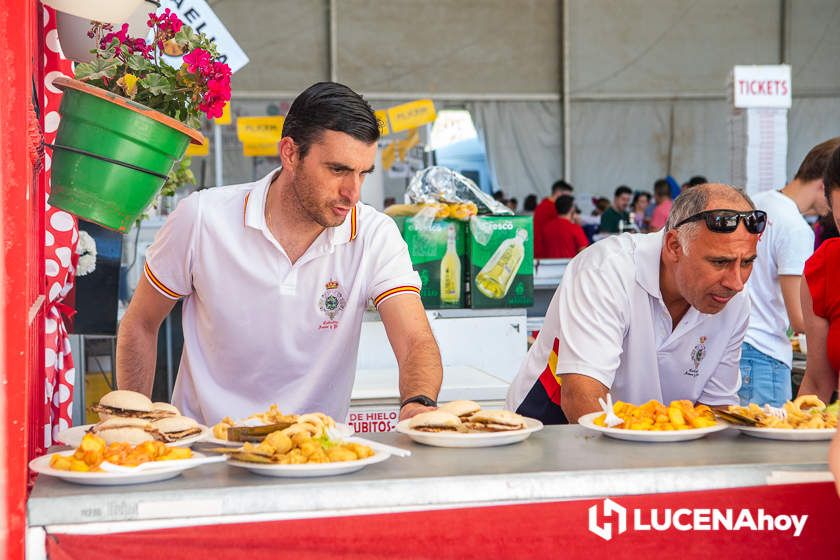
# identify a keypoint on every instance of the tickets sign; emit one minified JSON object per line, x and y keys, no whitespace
{"x":260,"y":136}
{"x":762,"y":86}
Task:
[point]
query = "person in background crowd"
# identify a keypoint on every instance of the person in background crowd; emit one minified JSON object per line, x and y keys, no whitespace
{"x":821,"y":309}
{"x":648,"y":316}
{"x":499,"y":196}
{"x":825,"y":228}
{"x":577,"y":216}
{"x":774,"y":289}
{"x":530,"y":204}
{"x":591,"y":222}
{"x":512,"y":203}
{"x":641,"y":201}
{"x":389,"y":201}
{"x":662,"y":196}
{"x":696,"y":180}
{"x":562,"y":237}
{"x":545,"y":212}
{"x":617,"y":213}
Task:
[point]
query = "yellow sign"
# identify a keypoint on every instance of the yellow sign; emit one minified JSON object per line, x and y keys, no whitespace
{"x":411,"y":115}
{"x":389,"y":155}
{"x":198,"y":149}
{"x":404,"y":145}
{"x":260,"y":136}
{"x":225,"y":118}
{"x":382,"y":117}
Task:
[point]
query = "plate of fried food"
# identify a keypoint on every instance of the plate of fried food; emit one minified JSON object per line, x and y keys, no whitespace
{"x":655,"y":422}
{"x":256,"y":427}
{"x":806,"y":418}
{"x":465,"y":424}
{"x":305,"y":449}
{"x":87,"y":464}
{"x":130,"y":417}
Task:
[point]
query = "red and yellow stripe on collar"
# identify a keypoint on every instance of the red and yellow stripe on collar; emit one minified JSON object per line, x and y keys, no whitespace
{"x":160,"y":285}
{"x":245,"y":210}
{"x":393,"y":291}
{"x":353,"y":230}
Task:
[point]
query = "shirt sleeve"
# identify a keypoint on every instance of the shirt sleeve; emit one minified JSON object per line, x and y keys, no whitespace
{"x":793,"y":249}
{"x":169,"y":259}
{"x":815,"y":276}
{"x":580,"y":239}
{"x":722,"y":387}
{"x":391,"y":272}
{"x":591,"y":324}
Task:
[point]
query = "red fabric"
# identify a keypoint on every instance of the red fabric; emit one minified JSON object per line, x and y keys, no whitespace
{"x":660,"y":214}
{"x":536,"y":530}
{"x":821,"y":270}
{"x":562,"y":239}
{"x":543,"y":213}
{"x":60,"y":257}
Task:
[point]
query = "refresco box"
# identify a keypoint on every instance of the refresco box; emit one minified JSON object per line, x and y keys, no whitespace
{"x":438,"y":254}
{"x":500,"y":250}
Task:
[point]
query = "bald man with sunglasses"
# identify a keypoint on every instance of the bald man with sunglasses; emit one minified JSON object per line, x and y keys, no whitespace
{"x":649,"y":316}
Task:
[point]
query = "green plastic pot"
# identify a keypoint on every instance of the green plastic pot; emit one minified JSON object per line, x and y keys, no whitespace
{"x":111,"y":155}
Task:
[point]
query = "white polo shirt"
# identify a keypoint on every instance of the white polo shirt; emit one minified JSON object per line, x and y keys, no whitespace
{"x":608,"y":321}
{"x":787,"y":242}
{"x":258,"y":329}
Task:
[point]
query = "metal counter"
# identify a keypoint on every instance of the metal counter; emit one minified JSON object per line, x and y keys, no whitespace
{"x":560,"y":462}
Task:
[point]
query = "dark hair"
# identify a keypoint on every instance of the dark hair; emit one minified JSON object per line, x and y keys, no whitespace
{"x":622,"y":189}
{"x":697,"y":180}
{"x":561,"y":186}
{"x":814,"y":164}
{"x":530,"y":203}
{"x":329,"y":106}
{"x":640,"y":194}
{"x":662,"y":188}
{"x":831,"y":177}
{"x":499,"y":195}
{"x":601,"y":204}
{"x":564,"y":204}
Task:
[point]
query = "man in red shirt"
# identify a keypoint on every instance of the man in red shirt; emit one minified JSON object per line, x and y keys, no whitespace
{"x":562,"y":238}
{"x":546,"y":212}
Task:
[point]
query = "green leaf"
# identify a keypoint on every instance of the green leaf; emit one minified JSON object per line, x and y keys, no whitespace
{"x":97,"y":68}
{"x":156,"y":84}
{"x":138,"y":63}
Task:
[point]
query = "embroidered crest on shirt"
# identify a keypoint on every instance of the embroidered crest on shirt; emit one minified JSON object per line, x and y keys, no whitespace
{"x":697,"y":355}
{"x":331,"y":303}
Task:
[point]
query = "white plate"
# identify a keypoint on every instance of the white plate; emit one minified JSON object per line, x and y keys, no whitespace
{"x":73,"y":436}
{"x":478,"y":439}
{"x":342,"y":430}
{"x":41,"y":465}
{"x":812,"y":434}
{"x":587,"y":421}
{"x":309,"y":469}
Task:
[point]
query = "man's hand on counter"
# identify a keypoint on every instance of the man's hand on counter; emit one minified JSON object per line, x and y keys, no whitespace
{"x":413,"y":409}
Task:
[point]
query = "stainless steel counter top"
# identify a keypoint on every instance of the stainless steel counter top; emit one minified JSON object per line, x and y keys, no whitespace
{"x":560,"y":462}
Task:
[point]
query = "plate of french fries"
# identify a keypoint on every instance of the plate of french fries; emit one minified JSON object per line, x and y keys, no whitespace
{"x":304,"y":445}
{"x":655,"y":422}
{"x":805,"y":418}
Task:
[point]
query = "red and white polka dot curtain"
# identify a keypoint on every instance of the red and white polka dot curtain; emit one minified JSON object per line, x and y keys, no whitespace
{"x":60,"y":253}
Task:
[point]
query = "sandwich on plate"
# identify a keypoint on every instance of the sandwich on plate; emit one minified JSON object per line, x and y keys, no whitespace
{"x":174,"y":428}
{"x":435,"y":421}
{"x":125,"y":430}
{"x":495,"y":421}
{"x":461,"y":409}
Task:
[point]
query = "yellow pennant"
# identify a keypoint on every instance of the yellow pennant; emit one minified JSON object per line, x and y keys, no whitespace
{"x":260,"y":136}
{"x":411,"y":115}
{"x":382,"y":117}
{"x":225,"y":118}
{"x":198,"y":149}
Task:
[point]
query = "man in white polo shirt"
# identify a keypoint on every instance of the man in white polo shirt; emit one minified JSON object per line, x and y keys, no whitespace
{"x":654,"y":316}
{"x":275,"y":277}
{"x":774,"y":286}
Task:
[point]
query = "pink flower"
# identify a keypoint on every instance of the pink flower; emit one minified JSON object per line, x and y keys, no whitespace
{"x":197,"y":59}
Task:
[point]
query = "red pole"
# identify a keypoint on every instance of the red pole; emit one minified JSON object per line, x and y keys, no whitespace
{"x":20,"y":208}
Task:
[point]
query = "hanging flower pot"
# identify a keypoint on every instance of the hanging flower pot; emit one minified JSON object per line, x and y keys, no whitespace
{"x":111,"y":155}
{"x":129,"y":117}
{"x":109,"y":11}
{"x":77,"y":43}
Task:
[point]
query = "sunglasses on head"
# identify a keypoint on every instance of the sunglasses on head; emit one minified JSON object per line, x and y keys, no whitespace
{"x":726,"y":221}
